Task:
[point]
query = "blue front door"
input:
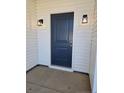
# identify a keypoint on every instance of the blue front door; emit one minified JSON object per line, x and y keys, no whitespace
{"x":61,"y":39}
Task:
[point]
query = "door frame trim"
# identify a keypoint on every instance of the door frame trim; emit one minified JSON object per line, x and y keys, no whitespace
{"x":55,"y":66}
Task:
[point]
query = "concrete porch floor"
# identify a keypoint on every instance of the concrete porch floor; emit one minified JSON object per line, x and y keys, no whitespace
{"x":46,"y":80}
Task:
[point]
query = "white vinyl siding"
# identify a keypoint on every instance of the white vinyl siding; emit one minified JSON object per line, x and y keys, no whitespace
{"x":93,"y":53}
{"x":81,"y":34}
{"x":31,"y":35}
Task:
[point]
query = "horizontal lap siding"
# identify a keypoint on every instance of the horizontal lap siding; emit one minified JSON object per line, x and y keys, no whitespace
{"x":81,"y":34}
{"x":93,"y":60}
{"x":31,"y":35}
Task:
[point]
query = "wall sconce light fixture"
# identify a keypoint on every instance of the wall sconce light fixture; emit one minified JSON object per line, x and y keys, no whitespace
{"x":40,"y":22}
{"x":85,"y":19}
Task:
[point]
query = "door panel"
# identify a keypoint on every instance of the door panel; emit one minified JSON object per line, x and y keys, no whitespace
{"x":61,"y":39}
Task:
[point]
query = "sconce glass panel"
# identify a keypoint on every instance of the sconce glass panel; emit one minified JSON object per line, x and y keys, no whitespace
{"x":40,"y":22}
{"x":85,"y":19}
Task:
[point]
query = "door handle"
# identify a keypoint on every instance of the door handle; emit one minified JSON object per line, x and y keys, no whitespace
{"x":70,"y":44}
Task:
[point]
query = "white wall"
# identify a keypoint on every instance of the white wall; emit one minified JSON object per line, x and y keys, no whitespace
{"x":94,"y":86}
{"x":93,"y":57}
{"x":93,"y":54}
{"x":81,"y":33}
{"x":31,"y":35}
{"x":93,"y":63}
